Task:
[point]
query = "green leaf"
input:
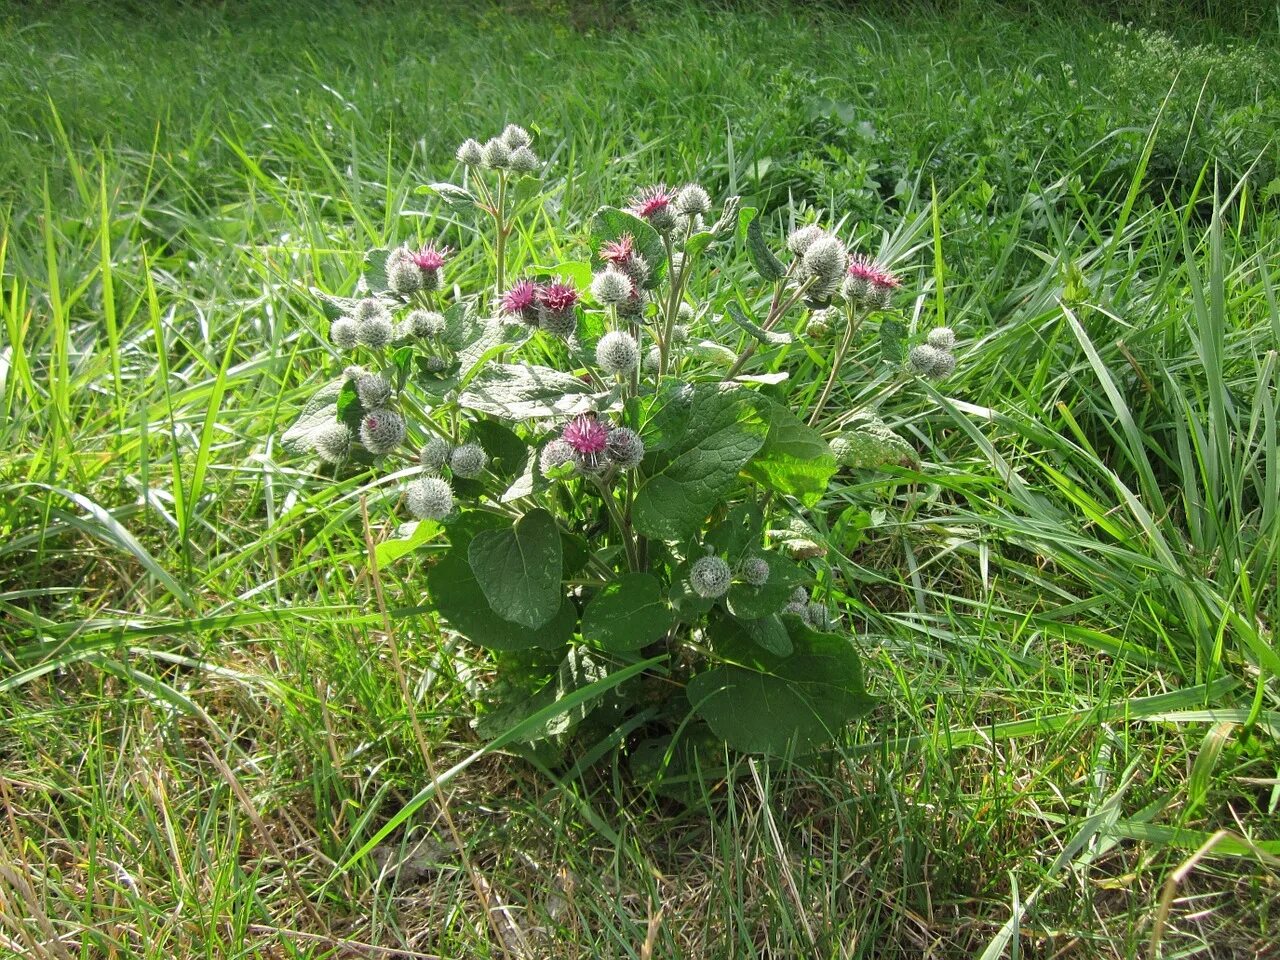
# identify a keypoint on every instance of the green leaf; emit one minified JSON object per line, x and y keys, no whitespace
{"x":767,"y":265}
{"x":318,"y":412}
{"x":627,"y":614}
{"x":375,"y":269}
{"x":452,"y":194}
{"x":524,"y":391}
{"x":458,"y":598}
{"x":507,"y":452}
{"x":725,"y":429}
{"x":697,"y":243}
{"x":794,"y":460}
{"x":768,"y":633}
{"x":402,"y":361}
{"x":579,"y":670}
{"x":609,"y":223}
{"x":739,"y":532}
{"x":765,"y":703}
{"x":893,"y":337}
{"x":526,"y":188}
{"x":415,"y":535}
{"x":519,"y":569}
{"x":752,"y":603}
{"x":767,"y":337}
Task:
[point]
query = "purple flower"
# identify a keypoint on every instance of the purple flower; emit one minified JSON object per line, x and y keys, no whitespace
{"x":430,"y":257}
{"x":558,"y":298}
{"x":587,"y":435}
{"x":522,"y":300}
{"x":653,"y":203}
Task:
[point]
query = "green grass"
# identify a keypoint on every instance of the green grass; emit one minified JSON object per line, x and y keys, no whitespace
{"x":1068,"y":612}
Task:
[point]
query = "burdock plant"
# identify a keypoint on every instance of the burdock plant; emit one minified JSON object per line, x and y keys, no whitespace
{"x":621,"y":486}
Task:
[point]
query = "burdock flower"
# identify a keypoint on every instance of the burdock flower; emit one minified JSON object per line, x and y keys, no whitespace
{"x":931,"y":362}
{"x":588,"y":438}
{"x":522,"y":301}
{"x":617,"y":353}
{"x":618,"y":252}
{"x":427,"y":324}
{"x":524,"y":160}
{"x":655,"y":204}
{"x":554,"y":455}
{"x":403,"y":275}
{"x":429,"y":498}
{"x":869,"y":285}
{"x":373,"y":323}
{"x":515,"y":136}
{"x":381,"y":431}
{"x":373,"y":390}
{"x":710,"y":577}
{"x":625,"y":448}
{"x":496,"y":154}
{"x":468,"y":460}
{"x":826,"y":259}
{"x":800,"y":240}
{"x":556,"y":302}
{"x":430,"y":263}
{"x":333,"y":442}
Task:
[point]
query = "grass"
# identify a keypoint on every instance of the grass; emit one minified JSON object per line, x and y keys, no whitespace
{"x":1068,"y":612}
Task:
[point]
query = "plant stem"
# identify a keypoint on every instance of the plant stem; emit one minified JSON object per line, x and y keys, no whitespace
{"x":845,"y":342}
{"x":500,"y":244}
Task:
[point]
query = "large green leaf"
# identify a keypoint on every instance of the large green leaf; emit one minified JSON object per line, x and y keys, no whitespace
{"x":700,"y":466}
{"x":763,"y":703}
{"x":523,"y":391}
{"x":519,"y":568}
{"x":794,"y":459}
{"x":319,"y":412}
{"x":609,"y":224}
{"x":767,"y":265}
{"x":458,"y":598}
{"x":627,"y":614}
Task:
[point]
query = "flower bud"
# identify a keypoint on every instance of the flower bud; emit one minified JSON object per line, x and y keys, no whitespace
{"x":435,"y":454}
{"x":344,"y":333}
{"x":333,"y":442}
{"x":429,"y":498}
{"x":524,"y":160}
{"x":468,"y":460}
{"x":817,"y":328}
{"x":470,"y":152}
{"x":562,"y":325}
{"x":817,"y":616}
{"x":516,"y":137}
{"x":554,"y":455}
{"x":652,"y":359}
{"x":931,"y":362}
{"x":427,"y":324}
{"x":373,"y":390}
{"x":381,"y":431}
{"x":611,"y":287}
{"x":800,"y":240}
{"x":710,"y":577}
{"x":943,"y":338}
{"x":826,"y":259}
{"x":496,"y":154}
{"x":692,"y":200}
{"x":625,"y":448}
{"x":617,"y":353}
{"x":755,"y":571}
{"x":375,"y":331}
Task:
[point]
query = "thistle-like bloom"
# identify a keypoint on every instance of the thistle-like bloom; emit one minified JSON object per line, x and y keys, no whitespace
{"x":655,"y":204}
{"x":381,"y":431}
{"x":625,"y":448}
{"x":524,"y":160}
{"x":587,"y":437}
{"x":429,"y":498}
{"x":557,"y":298}
{"x":801,"y":239}
{"x":470,"y":153}
{"x":754,"y":571}
{"x":611,"y":286}
{"x":522,"y":301}
{"x":652,"y":359}
{"x":869,"y":285}
{"x":817,"y":616}
{"x":333,"y":442}
{"x":515,"y":136}
{"x":435,"y":454}
{"x":617,"y":353}
{"x":373,"y":390}
{"x":436,"y":365}
{"x":554,"y":455}
{"x":620,"y":251}
{"x":431,"y":257}
{"x":344,"y":333}
{"x":943,"y":338}
{"x":692,"y":200}
{"x":404,"y":277}
{"x":426,"y":324}
{"x":468,"y":460}
{"x":562,"y":325}
{"x":369,"y":308}
{"x":375,"y":331}
{"x":710,"y":577}
{"x":496,"y":154}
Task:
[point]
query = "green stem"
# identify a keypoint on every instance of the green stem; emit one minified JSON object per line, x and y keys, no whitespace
{"x":500,"y":244}
{"x":845,"y":342}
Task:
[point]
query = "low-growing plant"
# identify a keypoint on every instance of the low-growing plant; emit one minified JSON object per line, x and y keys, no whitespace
{"x":623,"y":499}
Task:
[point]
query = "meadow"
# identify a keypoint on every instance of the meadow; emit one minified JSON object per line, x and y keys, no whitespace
{"x":1066,"y":610}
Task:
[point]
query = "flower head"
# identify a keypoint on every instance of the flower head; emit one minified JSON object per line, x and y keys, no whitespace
{"x":557,"y":297}
{"x":344,"y":333}
{"x":755,"y":571}
{"x":381,"y":431}
{"x":625,"y":448}
{"x":802,"y":238}
{"x":864,"y":268}
{"x":617,"y":353}
{"x":515,"y":136}
{"x":373,"y":390}
{"x":826,"y":259}
{"x":693,"y":200}
{"x":468,"y":460}
{"x":333,"y":442}
{"x":435,"y":454}
{"x":522,"y":301}
{"x":495,"y":153}
{"x":655,"y":204}
{"x":944,"y":338}
{"x":554,"y":455}
{"x":524,"y":160}
{"x":431,"y":257}
{"x":470,"y":152}
{"x":427,"y":323}
{"x":611,"y":286}
{"x":586,"y":435}
{"x":932,"y":362}
{"x":618,"y":252}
